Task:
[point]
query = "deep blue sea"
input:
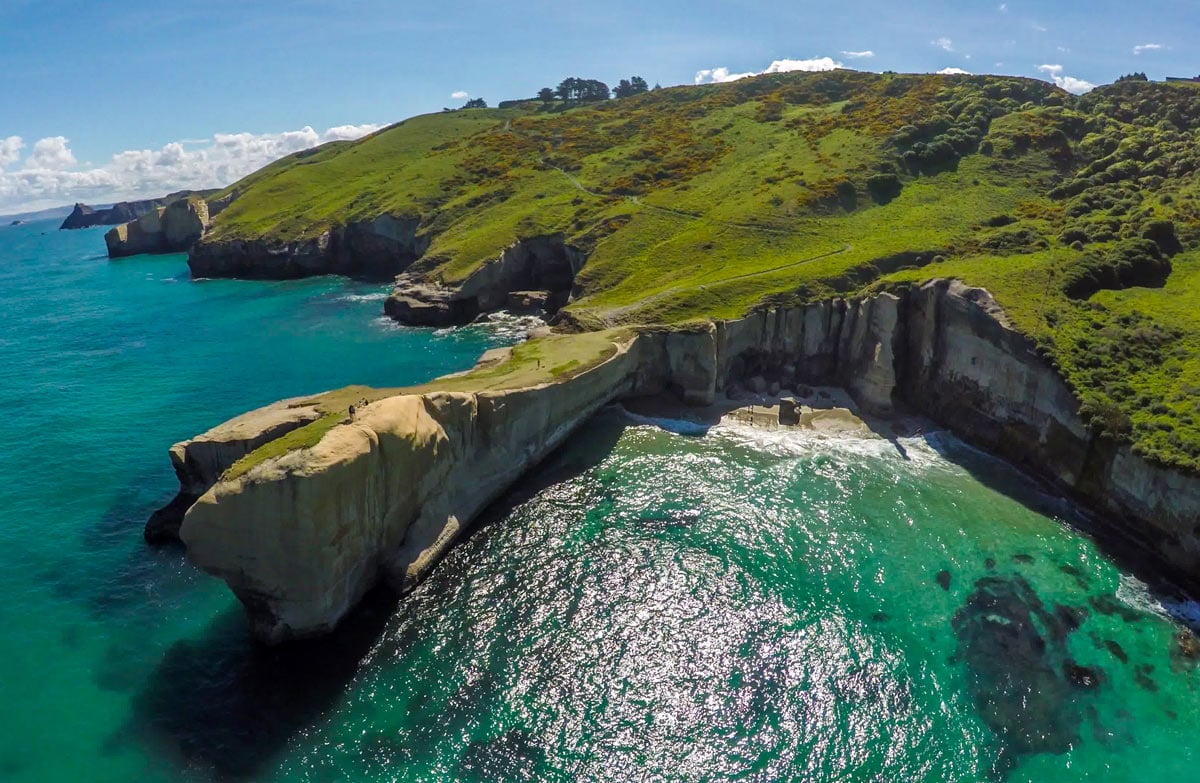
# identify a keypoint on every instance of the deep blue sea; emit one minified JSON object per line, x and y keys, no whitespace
{"x":739,"y":606}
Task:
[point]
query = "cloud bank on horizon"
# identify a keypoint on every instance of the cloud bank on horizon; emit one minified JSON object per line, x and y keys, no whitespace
{"x":49,"y":175}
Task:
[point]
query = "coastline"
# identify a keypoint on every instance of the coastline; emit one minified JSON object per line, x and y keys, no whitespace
{"x":386,"y":495}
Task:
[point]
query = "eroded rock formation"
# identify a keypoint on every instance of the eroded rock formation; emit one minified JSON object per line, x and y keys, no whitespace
{"x":170,"y":229}
{"x":300,"y":537}
{"x":199,"y":462}
{"x":535,"y":273}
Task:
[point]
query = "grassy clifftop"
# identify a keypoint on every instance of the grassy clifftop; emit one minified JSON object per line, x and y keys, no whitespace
{"x":1081,"y":215}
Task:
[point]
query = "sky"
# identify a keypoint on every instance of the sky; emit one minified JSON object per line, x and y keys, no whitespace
{"x":102,"y":101}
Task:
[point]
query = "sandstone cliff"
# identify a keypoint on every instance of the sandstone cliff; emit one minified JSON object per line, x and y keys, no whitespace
{"x":302,"y":536}
{"x":199,"y":462}
{"x":377,"y":249}
{"x":170,"y":229}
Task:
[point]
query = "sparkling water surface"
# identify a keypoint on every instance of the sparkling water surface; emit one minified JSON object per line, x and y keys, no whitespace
{"x":741,"y":605}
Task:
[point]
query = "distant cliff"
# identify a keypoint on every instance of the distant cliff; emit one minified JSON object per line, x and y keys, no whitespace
{"x":170,"y":229}
{"x":84,"y":216}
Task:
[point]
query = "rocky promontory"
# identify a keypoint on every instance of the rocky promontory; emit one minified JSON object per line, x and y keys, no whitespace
{"x":302,"y":534}
{"x":170,"y":229}
{"x":83,"y":216}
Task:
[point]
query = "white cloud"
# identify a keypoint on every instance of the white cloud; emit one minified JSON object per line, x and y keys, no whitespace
{"x":51,"y":152}
{"x":943,"y":43}
{"x":1037,"y":28}
{"x":1004,"y":8}
{"x":349,"y":132}
{"x":866,"y":53}
{"x":459,"y":95}
{"x":10,"y":150}
{"x":50,"y":176}
{"x":954,"y":72}
{"x":1068,"y":83}
{"x":815,"y":64}
{"x":1150,"y":47}
{"x":717,"y":75}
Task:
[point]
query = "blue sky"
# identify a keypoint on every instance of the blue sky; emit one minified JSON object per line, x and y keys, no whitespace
{"x":161,"y":79}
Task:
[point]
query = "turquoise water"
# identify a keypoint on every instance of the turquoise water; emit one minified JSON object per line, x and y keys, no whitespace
{"x":739,"y":606}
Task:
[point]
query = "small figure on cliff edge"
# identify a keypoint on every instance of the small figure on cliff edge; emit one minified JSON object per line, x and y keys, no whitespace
{"x":352,"y":411}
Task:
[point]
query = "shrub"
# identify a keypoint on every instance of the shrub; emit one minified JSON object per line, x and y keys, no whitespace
{"x":847,"y":195}
{"x":1130,"y":262}
{"x":884,"y":187}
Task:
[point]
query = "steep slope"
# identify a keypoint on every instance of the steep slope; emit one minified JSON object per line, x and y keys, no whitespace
{"x":701,"y":202}
{"x":786,"y":226}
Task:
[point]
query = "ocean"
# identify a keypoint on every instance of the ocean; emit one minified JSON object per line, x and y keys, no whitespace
{"x":730,"y":604}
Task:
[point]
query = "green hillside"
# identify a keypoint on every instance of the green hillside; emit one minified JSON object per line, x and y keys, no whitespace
{"x":1081,"y":215}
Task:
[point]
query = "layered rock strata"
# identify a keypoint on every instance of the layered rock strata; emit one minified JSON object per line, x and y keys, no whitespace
{"x":301,"y":537}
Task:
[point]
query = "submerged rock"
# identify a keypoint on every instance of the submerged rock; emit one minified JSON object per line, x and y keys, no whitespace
{"x":1082,"y":676}
{"x":943,"y":579}
{"x":1024,"y":683}
{"x":1117,"y":650}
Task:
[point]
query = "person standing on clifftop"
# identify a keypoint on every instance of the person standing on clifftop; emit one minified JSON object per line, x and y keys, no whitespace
{"x":352,"y":410}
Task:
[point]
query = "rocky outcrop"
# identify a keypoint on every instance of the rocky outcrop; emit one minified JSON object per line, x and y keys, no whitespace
{"x":530,"y":272}
{"x":377,"y":249}
{"x":299,"y":538}
{"x":199,"y":462}
{"x":171,"y":229}
{"x":83,"y":216}
{"x":302,"y":537}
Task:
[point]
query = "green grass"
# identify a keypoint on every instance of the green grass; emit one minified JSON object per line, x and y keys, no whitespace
{"x":707,"y":202}
{"x":546,"y":360}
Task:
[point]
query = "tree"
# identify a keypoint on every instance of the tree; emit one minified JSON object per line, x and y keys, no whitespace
{"x":567,"y":89}
{"x":546,"y":95}
{"x":576,"y":90}
{"x":593,"y":90}
{"x":1134,"y":77}
{"x":475,"y":103}
{"x":628,"y":87}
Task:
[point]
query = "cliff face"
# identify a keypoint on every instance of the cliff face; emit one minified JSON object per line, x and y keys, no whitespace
{"x":199,"y":462}
{"x":539,"y":269}
{"x":84,"y":216}
{"x":378,"y":249}
{"x":170,"y":229}
{"x":301,"y":537}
